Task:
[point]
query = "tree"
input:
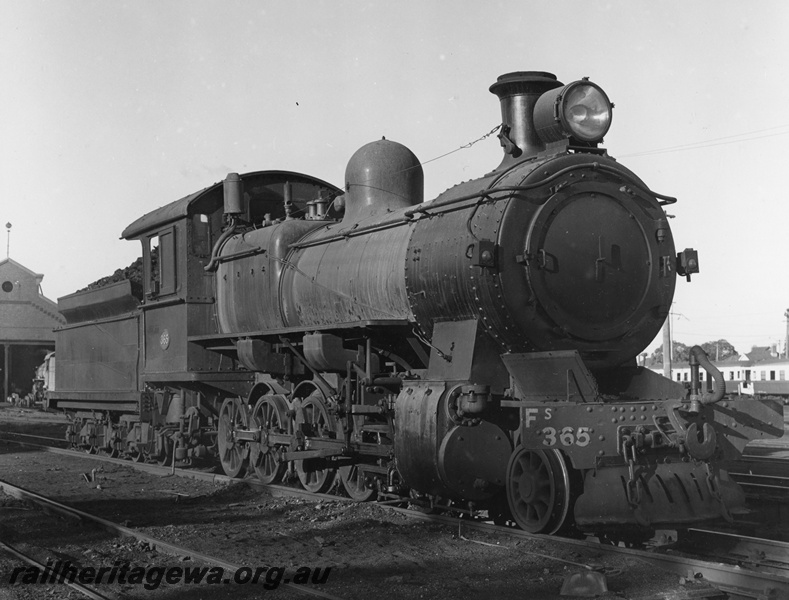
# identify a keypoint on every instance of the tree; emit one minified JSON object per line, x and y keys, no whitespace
{"x":680,"y":353}
{"x":717,"y":350}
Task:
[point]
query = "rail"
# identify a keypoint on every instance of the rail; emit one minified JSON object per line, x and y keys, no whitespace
{"x":730,"y":578}
{"x":116,"y":529}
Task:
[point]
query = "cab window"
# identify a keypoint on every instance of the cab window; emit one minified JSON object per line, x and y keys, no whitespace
{"x":201,"y":235}
{"x":160,"y":263}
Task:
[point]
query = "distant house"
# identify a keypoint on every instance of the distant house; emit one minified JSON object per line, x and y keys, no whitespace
{"x":27,"y":321}
{"x":760,"y":371}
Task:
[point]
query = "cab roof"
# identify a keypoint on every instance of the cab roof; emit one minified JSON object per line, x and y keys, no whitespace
{"x":182,"y":208}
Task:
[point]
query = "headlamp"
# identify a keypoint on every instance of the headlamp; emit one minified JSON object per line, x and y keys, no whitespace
{"x":580,"y":110}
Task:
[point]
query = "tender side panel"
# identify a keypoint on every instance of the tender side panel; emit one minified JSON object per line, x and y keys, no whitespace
{"x":98,"y":356}
{"x":98,"y":351}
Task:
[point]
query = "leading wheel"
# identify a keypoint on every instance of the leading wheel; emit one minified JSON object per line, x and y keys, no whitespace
{"x":233,"y":454}
{"x":314,"y":475}
{"x":538,"y":490}
{"x":270,"y":415}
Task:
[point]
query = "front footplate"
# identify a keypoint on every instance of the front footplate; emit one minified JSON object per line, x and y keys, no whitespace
{"x":667,"y":496}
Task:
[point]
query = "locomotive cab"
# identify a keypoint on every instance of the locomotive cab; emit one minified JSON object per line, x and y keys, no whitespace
{"x":179,"y":241}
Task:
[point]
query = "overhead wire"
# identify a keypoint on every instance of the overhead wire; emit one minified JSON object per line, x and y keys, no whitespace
{"x":463,"y":147}
{"x":424,"y":162}
{"x":721,"y":141}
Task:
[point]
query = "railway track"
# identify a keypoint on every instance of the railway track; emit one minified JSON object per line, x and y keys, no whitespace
{"x":763,"y":477}
{"x":29,"y":560}
{"x":769,"y":556}
{"x":48,"y":504}
{"x":742,"y":566}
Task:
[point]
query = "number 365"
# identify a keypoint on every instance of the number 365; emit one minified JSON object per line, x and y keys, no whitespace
{"x":567,"y":436}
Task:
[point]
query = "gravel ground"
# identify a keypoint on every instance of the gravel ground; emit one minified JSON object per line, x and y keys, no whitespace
{"x":363,"y":550}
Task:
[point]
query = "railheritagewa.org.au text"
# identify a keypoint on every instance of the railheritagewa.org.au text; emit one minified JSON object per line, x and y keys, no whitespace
{"x":151,"y":577}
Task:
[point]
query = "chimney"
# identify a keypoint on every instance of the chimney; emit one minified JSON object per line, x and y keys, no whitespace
{"x":518,"y":92}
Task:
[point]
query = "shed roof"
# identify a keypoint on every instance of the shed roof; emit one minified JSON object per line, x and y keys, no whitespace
{"x":26,"y":315}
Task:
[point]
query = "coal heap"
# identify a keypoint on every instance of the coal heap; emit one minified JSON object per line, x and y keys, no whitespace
{"x":134,"y":273}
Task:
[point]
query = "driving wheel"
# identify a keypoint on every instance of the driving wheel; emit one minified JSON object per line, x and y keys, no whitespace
{"x":233,"y":454}
{"x":314,"y":475}
{"x":270,"y":415}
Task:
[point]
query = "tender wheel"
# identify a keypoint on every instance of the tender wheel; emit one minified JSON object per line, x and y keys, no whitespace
{"x":165,"y":459}
{"x":232,"y":454}
{"x":538,"y":490}
{"x":109,"y":452}
{"x":270,"y":415}
{"x":313,"y":474}
{"x":354,"y":483}
{"x":113,"y":445}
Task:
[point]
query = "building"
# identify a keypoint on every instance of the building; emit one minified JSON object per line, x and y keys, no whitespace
{"x":27,"y":321}
{"x":760,"y":371}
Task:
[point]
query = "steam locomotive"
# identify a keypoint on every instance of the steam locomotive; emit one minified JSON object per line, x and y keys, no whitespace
{"x":478,"y":349}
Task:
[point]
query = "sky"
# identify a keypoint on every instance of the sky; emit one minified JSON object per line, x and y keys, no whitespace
{"x":110,"y":109}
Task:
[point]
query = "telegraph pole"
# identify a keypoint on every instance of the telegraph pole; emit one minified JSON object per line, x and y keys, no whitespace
{"x":667,"y":347}
{"x":786,"y":341}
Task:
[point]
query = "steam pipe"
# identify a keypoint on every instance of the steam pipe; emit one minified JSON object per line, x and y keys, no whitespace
{"x":213,"y":263}
{"x":432,"y":206}
{"x":698,"y":355}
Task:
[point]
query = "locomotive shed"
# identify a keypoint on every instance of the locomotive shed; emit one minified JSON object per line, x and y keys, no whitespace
{"x":239,"y":523}
{"x":27,"y":319}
